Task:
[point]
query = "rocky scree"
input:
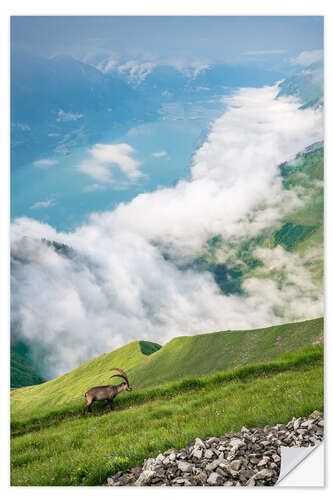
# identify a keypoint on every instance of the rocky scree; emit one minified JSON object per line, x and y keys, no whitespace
{"x":250,"y":457}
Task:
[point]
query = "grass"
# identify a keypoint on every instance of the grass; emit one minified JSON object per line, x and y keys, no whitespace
{"x":202,"y":385}
{"x":294,"y":360}
{"x":71,"y":387}
{"x":201,"y":355}
{"x":183,"y":357}
{"x":86,"y":450}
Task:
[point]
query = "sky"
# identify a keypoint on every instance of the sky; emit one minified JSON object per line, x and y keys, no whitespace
{"x":204,"y":38}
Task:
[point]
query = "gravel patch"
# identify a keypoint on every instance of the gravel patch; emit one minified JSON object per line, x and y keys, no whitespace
{"x":250,"y":457}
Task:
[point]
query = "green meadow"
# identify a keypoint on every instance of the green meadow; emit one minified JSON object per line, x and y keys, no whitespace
{"x":280,"y":376}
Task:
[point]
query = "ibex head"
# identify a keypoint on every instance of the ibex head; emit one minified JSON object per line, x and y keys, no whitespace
{"x":123,"y":375}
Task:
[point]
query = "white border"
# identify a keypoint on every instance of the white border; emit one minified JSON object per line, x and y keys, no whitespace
{"x":136,"y":7}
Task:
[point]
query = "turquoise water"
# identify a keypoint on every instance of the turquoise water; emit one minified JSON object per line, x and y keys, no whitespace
{"x":180,"y":130}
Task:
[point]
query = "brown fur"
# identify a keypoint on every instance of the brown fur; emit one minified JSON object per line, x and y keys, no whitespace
{"x":106,"y":392}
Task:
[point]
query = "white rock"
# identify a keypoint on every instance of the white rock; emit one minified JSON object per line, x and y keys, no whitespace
{"x":145,"y":477}
{"x":184,"y":466}
{"x":236,"y":464}
{"x":212,"y":480}
{"x":236,"y":443}
{"x":159,"y":458}
{"x":209,"y":454}
{"x":199,"y":443}
{"x":307,"y":423}
{"x":213,"y":465}
{"x":262,"y":474}
{"x":197,"y":453}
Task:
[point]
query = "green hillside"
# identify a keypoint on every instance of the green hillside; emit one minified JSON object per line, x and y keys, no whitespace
{"x":85,"y":450}
{"x":191,"y":356}
{"x":300,"y":231}
{"x":204,"y":354}
{"x":22,"y":369}
{"x":69,"y":389}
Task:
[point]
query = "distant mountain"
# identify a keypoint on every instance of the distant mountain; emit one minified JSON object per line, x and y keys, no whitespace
{"x":22,"y":368}
{"x":307,"y":85}
{"x":172,"y":81}
{"x":60,"y":103}
{"x":301,"y":231}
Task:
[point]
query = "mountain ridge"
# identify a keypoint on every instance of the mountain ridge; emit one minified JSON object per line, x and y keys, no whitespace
{"x":187,"y":356}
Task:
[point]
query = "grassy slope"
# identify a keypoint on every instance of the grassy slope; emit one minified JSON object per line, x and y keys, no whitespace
{"x":192,"y":356}
{"x":200,"y":355}
{"x":86,"y":450}
{"x":71,"y":387}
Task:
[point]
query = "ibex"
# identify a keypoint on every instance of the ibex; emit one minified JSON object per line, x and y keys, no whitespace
{"x":108,"y":392}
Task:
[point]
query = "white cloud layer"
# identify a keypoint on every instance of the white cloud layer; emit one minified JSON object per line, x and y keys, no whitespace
{"x":64,"y":116}
{"x":127,"y":277}
{"x":43,"y":204}
{"x":137,"y":72}
{"x":45,"y":163}
{"x":160,"y":154}
{"x":264,"y":52}
{"x":309,"y":57}
{"x":104,"y":157}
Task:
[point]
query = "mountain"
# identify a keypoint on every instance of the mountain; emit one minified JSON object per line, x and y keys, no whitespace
{"x":299,"y":233}
{"x":61,"y":103}
{"x":149,"y":365}
{"x":307,"y":85}
{"x":22,"y":367}
{"x":180,"y":81}
{"x":199,"y":355}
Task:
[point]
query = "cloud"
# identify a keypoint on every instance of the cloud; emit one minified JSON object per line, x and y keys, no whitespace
{"x":198,"y":68}
{"x":307,"y":58}
{"x":103,"y":159}
{"x":137,"y":72}
{"x":160,"y":154}
{"x":264,"y":52}
{"x":93,"y":187}
{"x":23,"y":127}
{"x":107,"y":65}
{"x":190,"y":70}
{"x":45,"y":163}
{"x":43,"y":204}
{"x":68,"y":116}
{"x":128,"y":273}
